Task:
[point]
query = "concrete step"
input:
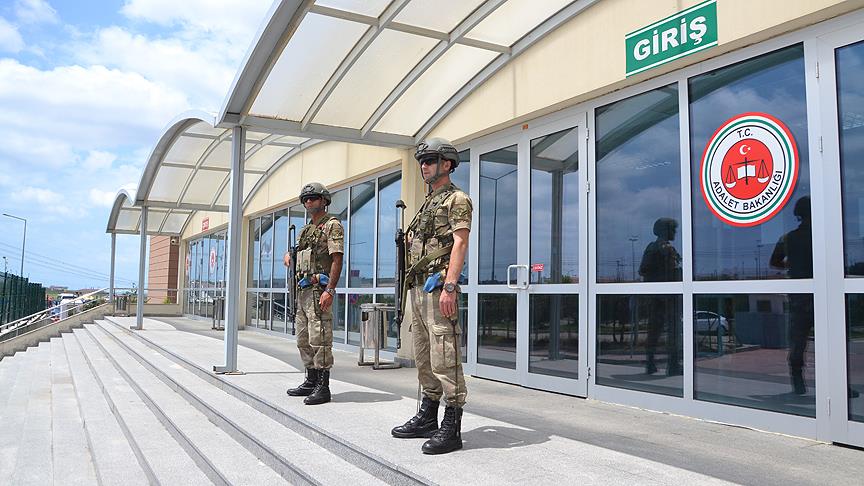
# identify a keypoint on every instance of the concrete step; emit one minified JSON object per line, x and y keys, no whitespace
{"x":161,"y":458}
{"x":278,"y":447}
{"x":34,"y":465}
{"x":113,"y":455}
{"x":8,"y":376}
{"x":14,"y":415}
{"x":72,"y":460}
{"x":279,"y":409}
{"x":219,"y":456}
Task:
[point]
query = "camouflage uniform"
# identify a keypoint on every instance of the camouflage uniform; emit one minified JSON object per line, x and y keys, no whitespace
{"x":437,"y":338}
{"x":315,"y":328}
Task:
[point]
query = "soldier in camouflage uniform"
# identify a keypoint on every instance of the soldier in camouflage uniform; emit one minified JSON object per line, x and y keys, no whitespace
{"x":437,"y":241}
{"x":319,"y":264}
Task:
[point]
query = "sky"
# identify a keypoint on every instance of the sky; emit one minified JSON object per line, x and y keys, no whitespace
{"x":86,"y":89}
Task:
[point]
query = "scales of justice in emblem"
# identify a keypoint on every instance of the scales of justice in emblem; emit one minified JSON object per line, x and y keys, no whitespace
{"x":747,"y":168}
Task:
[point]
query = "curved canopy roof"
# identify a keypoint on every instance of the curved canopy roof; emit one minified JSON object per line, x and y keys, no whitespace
{"x":190,"y":166}
{"x":380,"y":72}
{"x":125,"y":218}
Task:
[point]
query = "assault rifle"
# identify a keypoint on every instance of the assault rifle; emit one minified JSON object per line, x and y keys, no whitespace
{"x":292,"y":277}
{"x":401,"y":283}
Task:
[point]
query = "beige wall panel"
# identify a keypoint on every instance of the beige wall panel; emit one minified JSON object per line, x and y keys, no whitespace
{"x":585,"y":58}
{"x":193,"y":229}
{"x":331,"y":163}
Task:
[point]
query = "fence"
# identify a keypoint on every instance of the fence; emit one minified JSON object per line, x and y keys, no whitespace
{"x":19,"y":297}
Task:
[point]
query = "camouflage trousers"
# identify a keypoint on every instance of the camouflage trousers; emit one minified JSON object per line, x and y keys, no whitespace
{"x":314,"y":330}
{"x":436,"y":349}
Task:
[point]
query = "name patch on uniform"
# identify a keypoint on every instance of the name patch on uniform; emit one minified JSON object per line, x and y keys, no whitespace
{"x":749,"y":169}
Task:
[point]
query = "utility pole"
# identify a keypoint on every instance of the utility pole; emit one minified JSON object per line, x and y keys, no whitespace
{"x":23,"y":243}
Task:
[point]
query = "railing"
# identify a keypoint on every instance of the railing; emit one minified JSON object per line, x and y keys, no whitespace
{"x":153,"y":295}
{"x":56,"y":313}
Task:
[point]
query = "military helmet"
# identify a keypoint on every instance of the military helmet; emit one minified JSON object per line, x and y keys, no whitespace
{"x":665,"y":228}
{"x":438,"y":147}
{"x":315,"y":189}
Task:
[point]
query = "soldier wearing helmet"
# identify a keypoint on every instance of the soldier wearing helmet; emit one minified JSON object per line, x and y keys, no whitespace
{"x":319,"y":263}
{"x":437,"y":241}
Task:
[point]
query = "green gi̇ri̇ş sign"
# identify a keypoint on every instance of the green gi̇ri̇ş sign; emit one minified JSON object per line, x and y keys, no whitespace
{"x":684,"y":33}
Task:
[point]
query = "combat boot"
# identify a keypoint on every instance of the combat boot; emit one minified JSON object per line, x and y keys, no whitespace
{"x":424,"y":424}
{"x":449,"y":435}
{"x":307,"y":386}
{"x":321,"y":393}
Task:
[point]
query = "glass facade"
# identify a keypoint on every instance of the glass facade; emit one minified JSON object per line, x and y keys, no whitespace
{"x":204,"y":284}
{"x":554,"y":194}
{"x":639,"y":189}
{"x":554,"y":335}
{"x":756,"y":351}
{"x":497,"y":215}
{"x":773,"y":84}
{"x":640,"y":343}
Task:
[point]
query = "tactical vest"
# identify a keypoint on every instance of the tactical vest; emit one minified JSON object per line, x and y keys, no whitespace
{"x":422,"y":229}
{"x":311,"y":239}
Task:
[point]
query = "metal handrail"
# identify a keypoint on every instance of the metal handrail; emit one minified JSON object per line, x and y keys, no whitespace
{"x":49,"y":313}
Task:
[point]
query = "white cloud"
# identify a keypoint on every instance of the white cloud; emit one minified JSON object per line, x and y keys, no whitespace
{"x":198,"y":69}
{"x":98,"y":160}
{"x":83,"y":106}
{"x":228,"y":17}
{"x":46,"y":197}
{"x":35,"y":12}
{"x":102,"y":198}
{"x":10,"y":38}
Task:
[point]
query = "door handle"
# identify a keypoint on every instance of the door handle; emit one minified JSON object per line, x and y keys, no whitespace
{"x":518,"y":285}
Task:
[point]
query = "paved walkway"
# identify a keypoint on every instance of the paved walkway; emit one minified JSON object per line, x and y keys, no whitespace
{"x":513,"y":434}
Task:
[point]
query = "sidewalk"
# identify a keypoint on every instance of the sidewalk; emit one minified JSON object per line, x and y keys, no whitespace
{"x":513,"y":434}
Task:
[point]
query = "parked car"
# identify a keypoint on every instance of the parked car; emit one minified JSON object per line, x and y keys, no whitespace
{"x":709,"y":322}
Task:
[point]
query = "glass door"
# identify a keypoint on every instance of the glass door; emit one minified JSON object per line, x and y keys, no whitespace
{"x":841,"y":60}
{"x":531,"y":252}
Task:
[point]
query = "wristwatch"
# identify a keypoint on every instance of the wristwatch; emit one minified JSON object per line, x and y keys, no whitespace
{"x":450,"y":287}
{"x":332,"y":292}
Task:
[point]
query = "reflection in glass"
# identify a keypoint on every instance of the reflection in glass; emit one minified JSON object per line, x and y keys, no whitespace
{"x":855,"y":355}
{"x":850,"y":114}
{"x":254,"y":251}
{"x":389,"y":317}
{"x":354,"y":317}
{"x":639,"y":343}
{"x":496,"y":330}
{"x":554,"y":335}
{"x":461,"y":177}
{"x":339,"y":318}
{"x":339,"y":208}
{"x":773,"y":84}
{"x":756,"y":351}
{"x":251,"y":309}
{"x":280,"y":246}
{"x":362,"y":236}
{"x":266,"y":245}
{"x":498,"y":214}
{"x":638,"y":179}
{"x":389,"y":191}
{"x":463,"y":324}
{"x":279,"y":314}
{"x":555,"y":208}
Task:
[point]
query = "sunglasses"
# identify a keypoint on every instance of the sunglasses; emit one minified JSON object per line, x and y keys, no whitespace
{"x":310,"y":198}
{"x":428,"y":160}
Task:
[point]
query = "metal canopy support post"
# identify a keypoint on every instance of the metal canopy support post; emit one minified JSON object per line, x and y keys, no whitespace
{"x":113,"y":253}
{"x":142,"y":260}
{"x":235,"y":223}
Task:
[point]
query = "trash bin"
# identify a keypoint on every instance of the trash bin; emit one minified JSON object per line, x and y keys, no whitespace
{"x":373,"y":336}
{"x":218,"y":313}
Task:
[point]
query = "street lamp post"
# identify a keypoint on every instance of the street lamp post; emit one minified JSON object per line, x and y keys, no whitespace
{"x":633,"y":239}
{"x":23,"y":243}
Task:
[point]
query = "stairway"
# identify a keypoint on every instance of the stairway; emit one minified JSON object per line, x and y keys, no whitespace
{"x":99,"y":406}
